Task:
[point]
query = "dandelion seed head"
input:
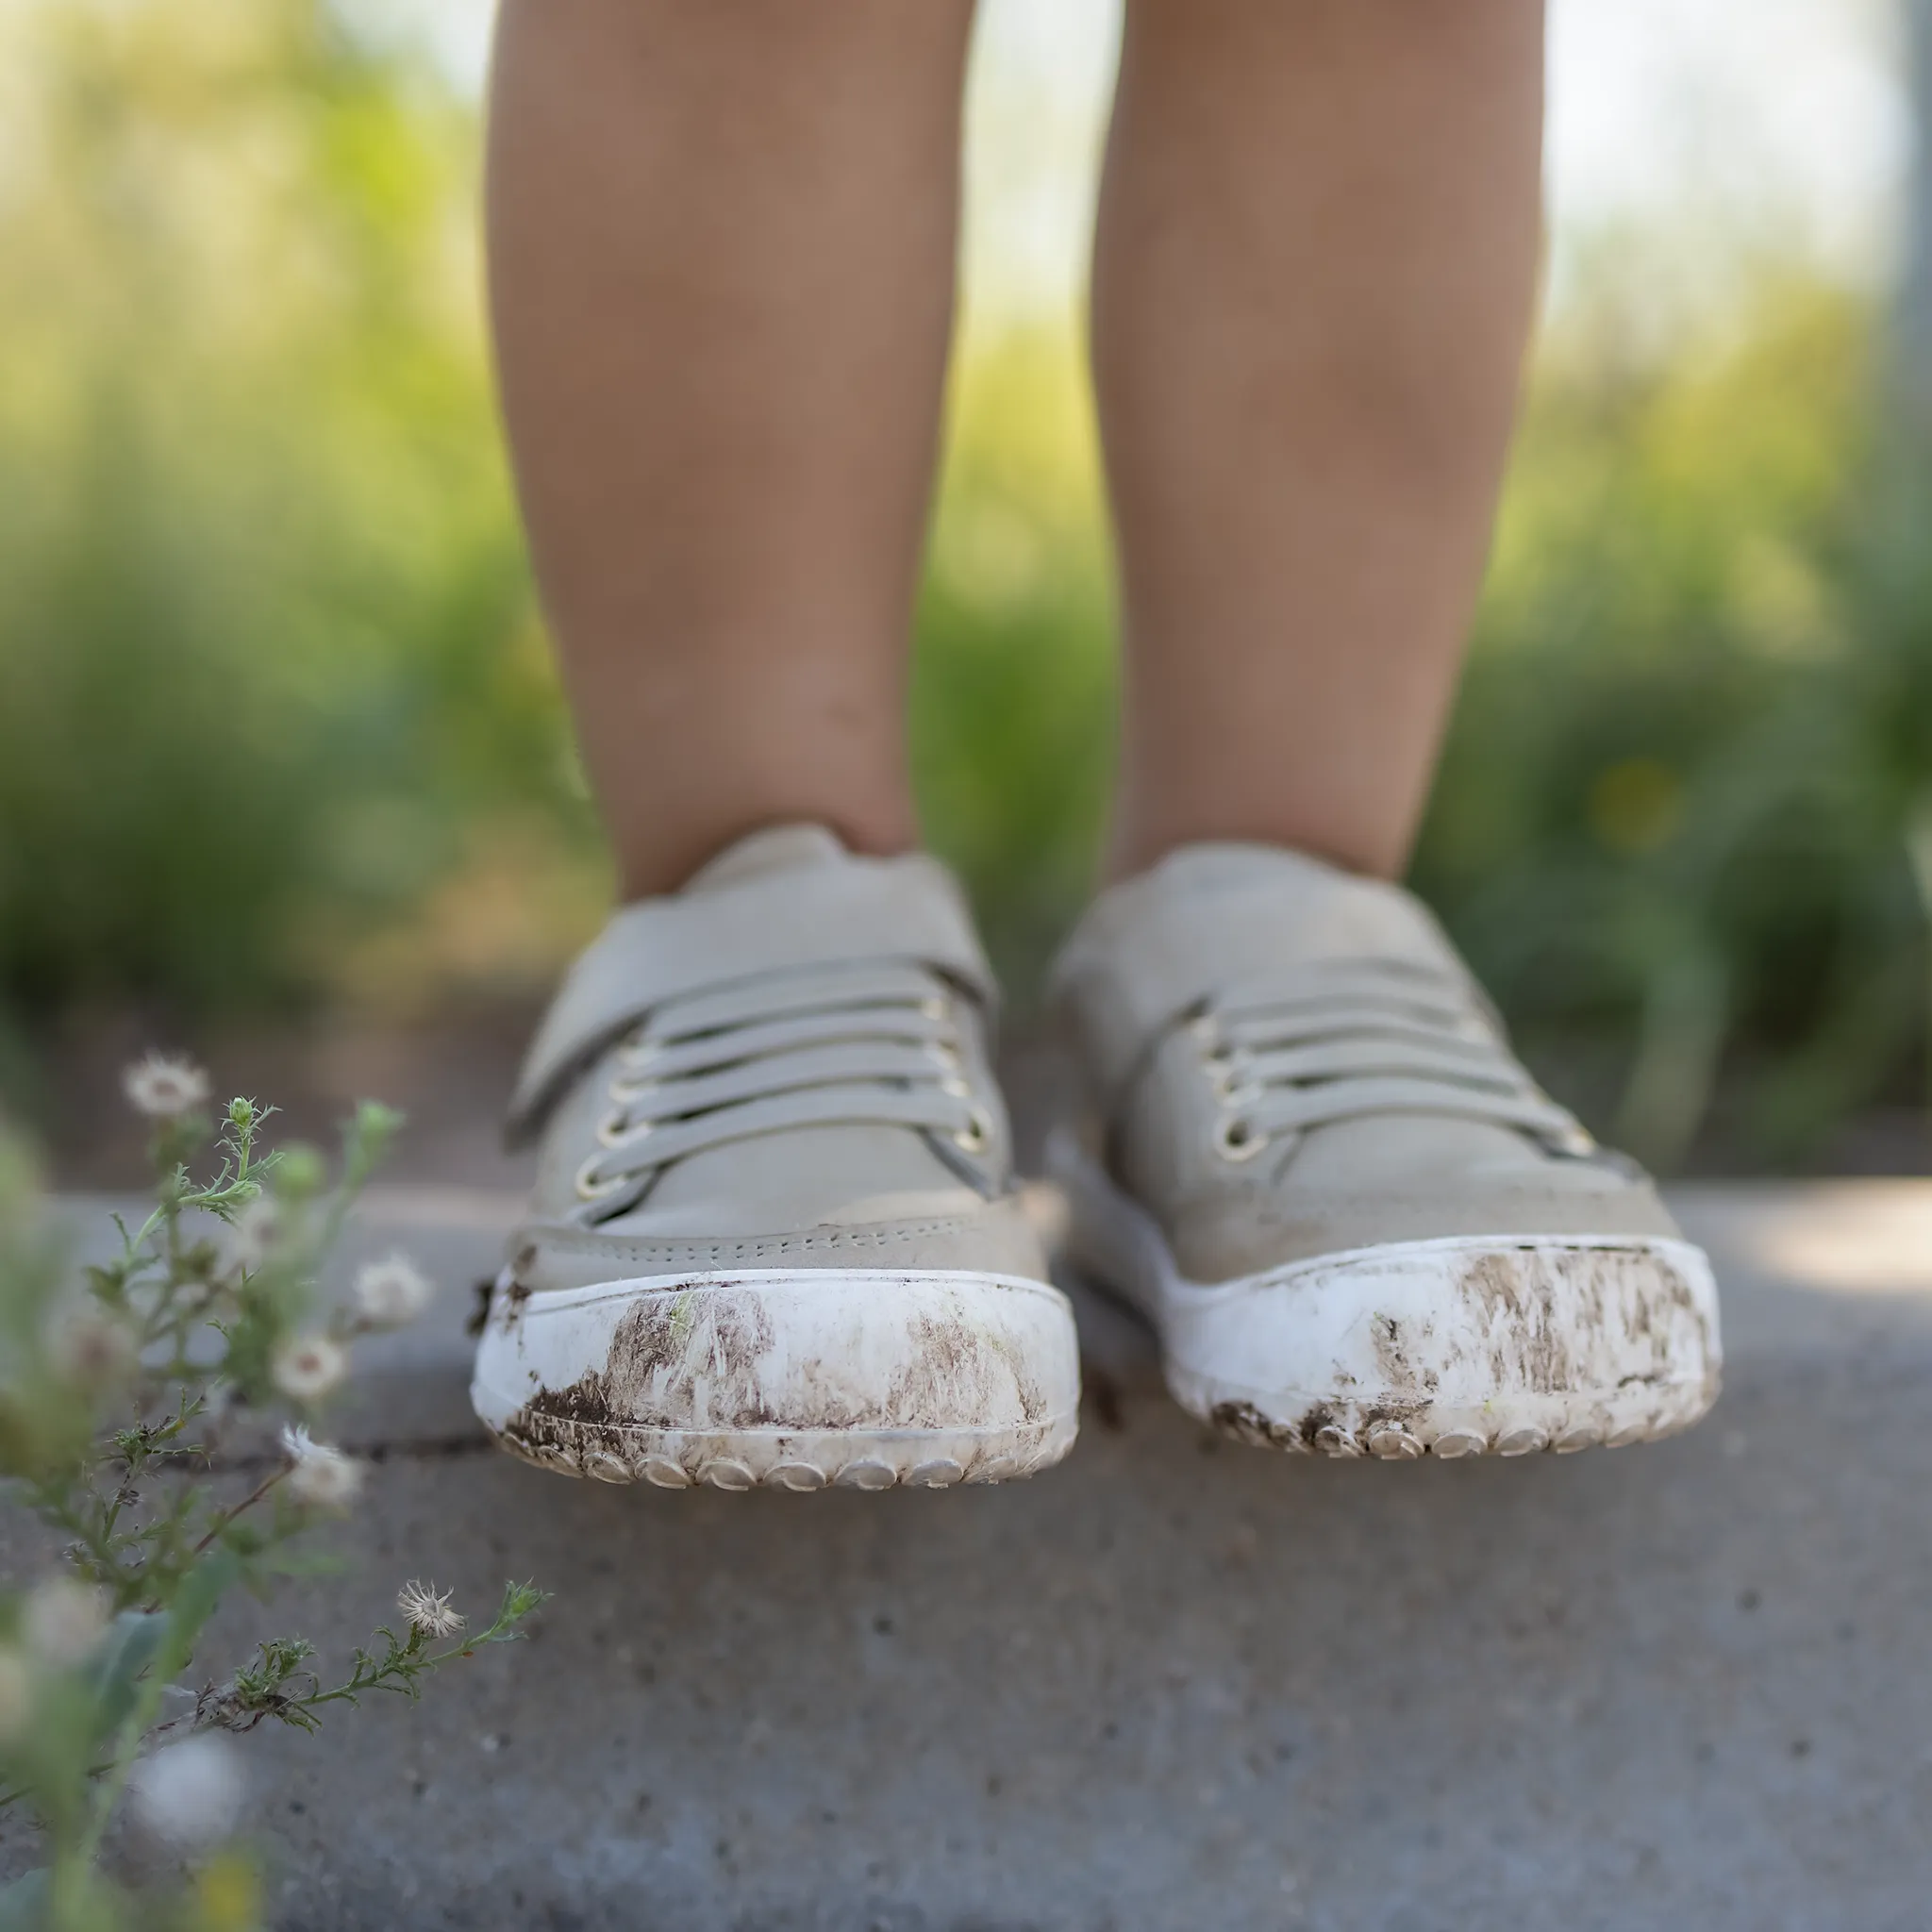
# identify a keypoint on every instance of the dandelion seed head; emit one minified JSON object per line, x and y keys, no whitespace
{"x":392,"y":1291}
{"x":62,"y":1621}
{"x":322,"y":1477}
{"x":307,"y":1367}
{"x":164,"y":1086}
{"x":428,"y":1608}
{"x":191,"y":1793}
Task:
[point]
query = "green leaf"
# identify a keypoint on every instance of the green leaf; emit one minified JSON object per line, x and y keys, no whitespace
{"x":194,"y":1604}
{"x":128,"y":1650}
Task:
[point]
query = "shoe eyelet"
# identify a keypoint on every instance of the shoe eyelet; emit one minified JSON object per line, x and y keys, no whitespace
{"x":624,"y":1091}
{"x":614,"y":1130}
{"x":976,"y":1135}
{"x":1228,"y":1072}
{"x":933,"y":1009}
{"x":638,"y":1051}
{"x":943,"y":1051}
{"x":958,"y":1088}
{"x":590,"y":1188}
{"x":1237,"y":1139}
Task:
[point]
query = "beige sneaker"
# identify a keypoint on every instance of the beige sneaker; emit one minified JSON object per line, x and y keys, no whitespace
{"x":776,"y":1238}
{"x":1354,"y":1219}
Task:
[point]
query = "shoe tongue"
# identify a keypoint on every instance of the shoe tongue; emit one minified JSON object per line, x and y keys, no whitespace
{"x":1211,"y":919}
{"x":776,"y":848}
{"x":1296,"y":906}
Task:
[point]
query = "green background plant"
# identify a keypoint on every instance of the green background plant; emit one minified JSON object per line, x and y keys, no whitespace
{"x":119,"y":1407}
{"x":257,"y":545}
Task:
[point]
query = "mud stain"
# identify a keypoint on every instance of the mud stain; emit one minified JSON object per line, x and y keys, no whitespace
{"x":1243,"y":1423}
{"x":478,"y":1318}
{"x":517,"y":1291}
{"x":1322,"y":1416}
{"x":1032,"y":1403}
{"x":1394,"y":1410}
{"x":711,"y":1358}
{"x":1397,"y":1350}
{"x":1551,"y":1331}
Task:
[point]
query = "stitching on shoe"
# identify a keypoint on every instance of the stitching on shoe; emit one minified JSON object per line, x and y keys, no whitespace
{"x":689,"y":1254}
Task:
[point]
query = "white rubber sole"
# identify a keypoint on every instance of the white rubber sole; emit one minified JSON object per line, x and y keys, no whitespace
{"x":1464,"y":1346}
{"x":802,"y":1379}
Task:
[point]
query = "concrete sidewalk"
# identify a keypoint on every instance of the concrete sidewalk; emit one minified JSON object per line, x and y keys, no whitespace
{"x":1175,"y":1684}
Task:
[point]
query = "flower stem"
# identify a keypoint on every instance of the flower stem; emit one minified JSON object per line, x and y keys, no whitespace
{"x":248,"y":1502}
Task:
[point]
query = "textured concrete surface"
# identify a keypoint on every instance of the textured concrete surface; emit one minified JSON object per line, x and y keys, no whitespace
{"x":1175,"y":1684}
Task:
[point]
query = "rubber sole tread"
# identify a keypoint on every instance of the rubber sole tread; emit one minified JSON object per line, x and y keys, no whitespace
{"x":1394,"y":1441}
{"x":868,"y":1464}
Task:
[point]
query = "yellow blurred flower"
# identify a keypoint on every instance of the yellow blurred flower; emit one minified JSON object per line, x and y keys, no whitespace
{"x":1636,"y":805}
{"x":227,"y":1895}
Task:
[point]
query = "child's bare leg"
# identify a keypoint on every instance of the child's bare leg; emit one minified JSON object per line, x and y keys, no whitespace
{"x":1315,"y":270}
{"x":722,"y":245}
{"x":1314,"y":273}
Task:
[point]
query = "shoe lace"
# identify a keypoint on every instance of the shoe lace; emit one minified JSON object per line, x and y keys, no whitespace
{"x":1346,"y":1038}
{"x":864,"y":1044}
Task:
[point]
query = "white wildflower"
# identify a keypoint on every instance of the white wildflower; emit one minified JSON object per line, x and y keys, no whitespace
{"x":252,"y":1233}
{"x":88,"y":1347}
{"x":164,"y":1085}
{"x":190,"y":1794}
{"x":320,"y":1475}
{"x":16,"y":1693}
{"x":392,"y":1291}
{"x":62,"y":1621}
{"x":429,"y":1609}
{"x":309,"y":1367}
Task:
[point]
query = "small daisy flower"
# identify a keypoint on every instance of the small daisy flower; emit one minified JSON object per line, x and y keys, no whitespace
{"x":88,"y":1347}
{"x":321,"y":1475}
{"x":163,"y":1086}
{"x":429,"y":1609}
{"x":16,"y":1693}
{"x":190,"y":1794}
{"x":309,"y":1367}
{"x":62,"y":1622}
{"x":391,"y":1292}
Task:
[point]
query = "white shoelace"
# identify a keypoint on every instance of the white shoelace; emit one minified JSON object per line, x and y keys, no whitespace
{"x":1343,"y":1039}
{"x":864,"y":1044}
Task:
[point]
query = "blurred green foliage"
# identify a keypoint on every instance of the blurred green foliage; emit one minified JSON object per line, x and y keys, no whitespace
{"x":260,"y":588}
{"x":259,"y":574}
{"x":1678,"y":815}
{"x":1013,"y":697}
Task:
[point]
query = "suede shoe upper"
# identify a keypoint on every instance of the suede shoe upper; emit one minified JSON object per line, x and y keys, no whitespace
{"x":783,"y":1065}
{"x":1282,"y":1060}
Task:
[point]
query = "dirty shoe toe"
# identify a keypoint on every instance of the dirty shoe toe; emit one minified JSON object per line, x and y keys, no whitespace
{"x":1358,"y":1226}
{"x":775,"y":1240}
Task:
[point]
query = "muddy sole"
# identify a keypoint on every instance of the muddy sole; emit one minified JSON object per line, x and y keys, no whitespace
{"x":736,"y":1460}
{"x":803,"y":1380}
{"x":1472,"y":1345}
